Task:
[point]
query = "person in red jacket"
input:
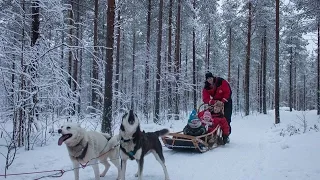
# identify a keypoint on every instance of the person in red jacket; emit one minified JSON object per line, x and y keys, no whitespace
{"x":218,"y":89}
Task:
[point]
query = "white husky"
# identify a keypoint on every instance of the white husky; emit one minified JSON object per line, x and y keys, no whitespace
{"x":86,"y":147}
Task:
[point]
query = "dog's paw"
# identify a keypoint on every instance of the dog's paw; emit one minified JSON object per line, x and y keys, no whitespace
{"x":136,"y":175}
{"x":102,"y":175}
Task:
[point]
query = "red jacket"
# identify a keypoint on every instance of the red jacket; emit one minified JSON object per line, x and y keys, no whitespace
{"x":217,"y":119}
{"x":222,"y":121}
{"x":219,"y":91}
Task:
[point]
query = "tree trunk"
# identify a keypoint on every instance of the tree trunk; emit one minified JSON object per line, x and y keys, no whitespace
{"x":177,"y":59}
{"x":170,"y":101}
{"x":70,"y":55}
{"x":146,"y":87}
{"x":295,"y":92}
{"x":32,"y":69}
{"x":133,"y":67}
{"x":264,"y":73}
{"x":277,"y":91}
{"x":78,"y":73}
{"x":80,"y":70}
{"x":208,"y":48}
{"x":304,"y":92}
{"x":116,"y":84}
{"x":107,"y":109}
{"x":290,"y":76}
{"x":21,"y":126}
{"x":229,"y":55}
{"x":123,"y":83}
{"x":35,"y":22}
{"x":194,"y":62}
{"x":95,"y":67}
{"x":247,"y":68}
{"x":318,"y":83}
{"x":158,"y":71}
{"x":238,"y":89}
{"x":260,"y":75}
{"x":14,"y":117}
{"x":186,"y":93}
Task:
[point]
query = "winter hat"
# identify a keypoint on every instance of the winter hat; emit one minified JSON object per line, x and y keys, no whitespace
{"x":206,"y":115}
{"x":209,"y":75}
{"x":194,"y":121}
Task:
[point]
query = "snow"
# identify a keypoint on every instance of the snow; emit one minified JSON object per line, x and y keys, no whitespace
{"x":259,"y":150}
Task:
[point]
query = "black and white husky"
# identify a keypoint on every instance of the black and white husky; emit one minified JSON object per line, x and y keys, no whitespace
{"x":135,"y":144}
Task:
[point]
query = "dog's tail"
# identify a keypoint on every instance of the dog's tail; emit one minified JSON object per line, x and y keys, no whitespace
{"x":161,"y":132}
{"x":107,"y":136}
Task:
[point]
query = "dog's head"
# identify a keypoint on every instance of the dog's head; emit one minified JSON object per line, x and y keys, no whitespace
{"x":71,"y":134}
{"x":130,"y":122}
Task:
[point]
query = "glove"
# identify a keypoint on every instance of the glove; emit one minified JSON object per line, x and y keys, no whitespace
{"x":208,"y":123}
{"x":219,"y":103}
{"x":212,"y":102}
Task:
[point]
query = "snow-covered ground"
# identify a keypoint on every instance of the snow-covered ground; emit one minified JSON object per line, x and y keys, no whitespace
{"x":259,"y":150}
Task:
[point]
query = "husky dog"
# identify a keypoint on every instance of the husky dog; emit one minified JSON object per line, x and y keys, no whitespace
{"x":135,"y":144}
{"x":89,"y":146}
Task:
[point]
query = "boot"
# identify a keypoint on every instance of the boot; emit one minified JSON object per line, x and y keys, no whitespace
{"x":225,"y":139}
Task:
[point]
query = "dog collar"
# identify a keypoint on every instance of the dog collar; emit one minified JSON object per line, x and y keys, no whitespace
{"x":125,"y":140}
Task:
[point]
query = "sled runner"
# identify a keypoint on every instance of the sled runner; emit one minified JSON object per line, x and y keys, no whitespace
{"x":202,"y":143}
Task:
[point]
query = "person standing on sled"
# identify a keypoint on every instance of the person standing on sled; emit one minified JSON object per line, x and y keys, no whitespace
{"x":218,"y":89}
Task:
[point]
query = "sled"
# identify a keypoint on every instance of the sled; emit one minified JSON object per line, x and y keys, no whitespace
{"x":180,"y":141}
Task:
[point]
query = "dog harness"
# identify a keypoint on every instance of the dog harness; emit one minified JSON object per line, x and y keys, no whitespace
{"x":84,"y":152}
{"x":136,"y":147}
{"x":131,"y":153}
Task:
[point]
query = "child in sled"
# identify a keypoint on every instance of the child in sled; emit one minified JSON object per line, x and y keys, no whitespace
{"x":194,"y":126}
{"x":214,"y":118}
{"x":207,"y":121}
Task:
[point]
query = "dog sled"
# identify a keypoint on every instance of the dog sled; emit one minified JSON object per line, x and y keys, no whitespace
{"x":202,"y":143}
{"x":180,"y":141}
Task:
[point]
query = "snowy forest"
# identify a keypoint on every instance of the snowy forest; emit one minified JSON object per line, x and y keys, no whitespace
{"x":84,"y":58}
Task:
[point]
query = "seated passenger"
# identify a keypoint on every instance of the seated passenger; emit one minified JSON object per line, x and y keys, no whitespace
{"x":194,"y":126}
{"x":207,"y":121}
